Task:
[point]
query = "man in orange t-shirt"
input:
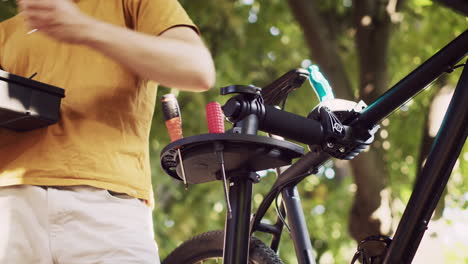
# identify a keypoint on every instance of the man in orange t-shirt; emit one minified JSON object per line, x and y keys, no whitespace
{"x":75,"y":192}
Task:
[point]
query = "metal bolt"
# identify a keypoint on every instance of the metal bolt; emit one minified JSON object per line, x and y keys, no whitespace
{"x":342,"y":149}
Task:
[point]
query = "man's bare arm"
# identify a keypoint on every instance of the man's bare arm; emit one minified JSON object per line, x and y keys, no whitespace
{"x":177,"y":58}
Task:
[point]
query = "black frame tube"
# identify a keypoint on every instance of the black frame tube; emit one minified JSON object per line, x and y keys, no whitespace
{"x":305,"y":164}
{"x":237,"y":229}
{"x":433,"y":178}
{"x":299,"y":233}
{"x":414,"y":82}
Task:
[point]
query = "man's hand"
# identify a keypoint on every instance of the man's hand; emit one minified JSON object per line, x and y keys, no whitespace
{"x":59,"y":19}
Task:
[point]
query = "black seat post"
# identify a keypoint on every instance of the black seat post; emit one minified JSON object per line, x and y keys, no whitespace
{"x":237,"y":229}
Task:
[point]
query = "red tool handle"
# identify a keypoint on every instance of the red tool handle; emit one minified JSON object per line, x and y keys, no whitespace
{"x":172,"y":118}
{"x":215,"y":118}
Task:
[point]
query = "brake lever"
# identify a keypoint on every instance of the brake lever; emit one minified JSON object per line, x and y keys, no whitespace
{"x":277,"y":91}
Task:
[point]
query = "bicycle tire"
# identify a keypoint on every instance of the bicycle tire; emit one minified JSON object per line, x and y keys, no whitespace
{"x":209,"y":245}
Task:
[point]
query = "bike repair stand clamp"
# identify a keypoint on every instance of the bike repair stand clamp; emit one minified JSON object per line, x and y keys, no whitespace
{"x":237,"y":228}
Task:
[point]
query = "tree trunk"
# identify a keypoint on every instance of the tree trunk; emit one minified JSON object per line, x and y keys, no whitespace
{"x":372,"y":39}
{"x":372,"y":22}
{"x":322,"y":45}
{"x":370,"y":181}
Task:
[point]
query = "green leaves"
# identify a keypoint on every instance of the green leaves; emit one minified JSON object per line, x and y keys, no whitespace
{"x":421,"y":3}
{"x":7,"y":9}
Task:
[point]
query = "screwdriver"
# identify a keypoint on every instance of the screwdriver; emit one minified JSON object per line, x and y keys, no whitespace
{"x":173,"y":121}
{"x":215,"y":120}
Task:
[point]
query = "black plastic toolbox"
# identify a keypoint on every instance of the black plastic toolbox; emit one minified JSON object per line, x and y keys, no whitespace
{"x":26,"y":104}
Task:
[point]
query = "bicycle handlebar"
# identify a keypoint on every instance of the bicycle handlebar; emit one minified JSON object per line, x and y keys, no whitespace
{"x":273,"y":120}
{"x":291,"y":126}
{"x":325,"y":130}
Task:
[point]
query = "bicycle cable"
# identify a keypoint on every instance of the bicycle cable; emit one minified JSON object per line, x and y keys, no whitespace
{"x":277,"y":208}
{"x":278,"y":211}
{"x":280,"y":215}
{"x":452,"y":68}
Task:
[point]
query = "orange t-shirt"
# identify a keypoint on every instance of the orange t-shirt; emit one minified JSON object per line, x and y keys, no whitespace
{"x":102,"y":137}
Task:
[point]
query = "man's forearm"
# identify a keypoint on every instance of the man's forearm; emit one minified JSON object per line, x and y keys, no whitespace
{"x":172,"y":59}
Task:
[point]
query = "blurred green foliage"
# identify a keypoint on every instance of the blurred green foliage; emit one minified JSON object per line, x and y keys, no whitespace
{"x":254,"y":42}
{"x":7,"y":9}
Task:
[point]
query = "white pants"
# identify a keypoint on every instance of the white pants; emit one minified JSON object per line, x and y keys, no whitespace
{"x":74,"y":225}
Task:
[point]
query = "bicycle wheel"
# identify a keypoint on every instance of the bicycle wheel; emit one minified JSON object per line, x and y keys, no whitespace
{"x":208,"y":248}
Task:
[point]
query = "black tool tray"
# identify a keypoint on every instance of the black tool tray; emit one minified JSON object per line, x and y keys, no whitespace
{"x":241,"y":152}
{"x":26,"y":104}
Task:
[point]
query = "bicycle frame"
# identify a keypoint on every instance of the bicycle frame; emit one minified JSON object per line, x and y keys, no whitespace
{"x":428,"y":189}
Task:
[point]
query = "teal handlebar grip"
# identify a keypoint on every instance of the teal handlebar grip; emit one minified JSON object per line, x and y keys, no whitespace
{"x":321,"y":86}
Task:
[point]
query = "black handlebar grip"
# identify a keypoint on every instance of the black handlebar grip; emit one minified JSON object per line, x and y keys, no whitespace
{"x":291,"y":126}
{"x":172,"y":118}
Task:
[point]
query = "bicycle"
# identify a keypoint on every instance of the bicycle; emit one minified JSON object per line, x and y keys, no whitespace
{"x":330,"y":131}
